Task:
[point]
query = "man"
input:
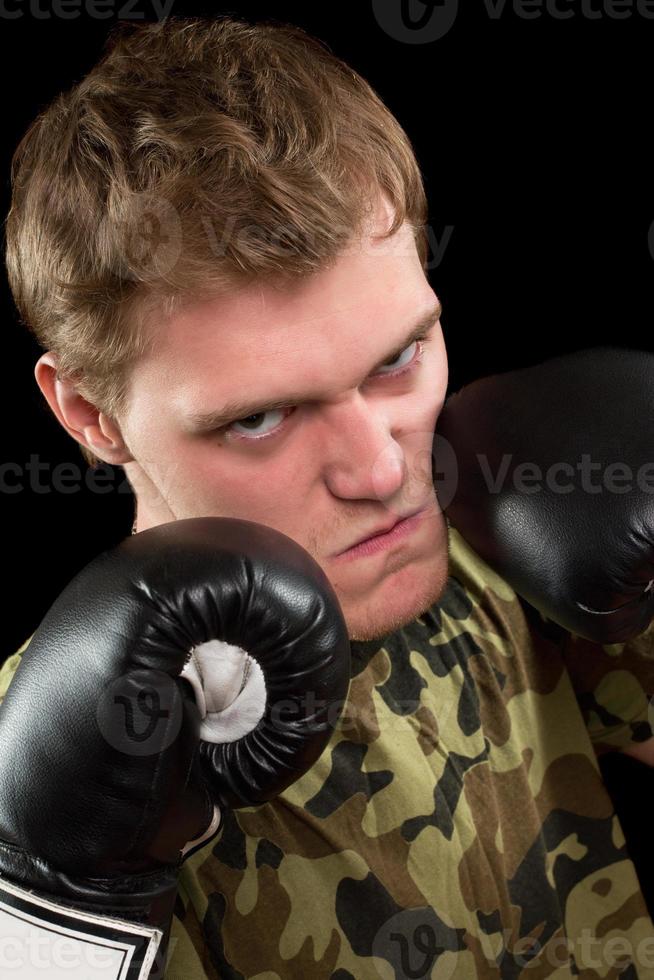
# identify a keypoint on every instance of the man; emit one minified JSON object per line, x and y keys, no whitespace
{"x":277,"y":355}
{"x":346,"y":455}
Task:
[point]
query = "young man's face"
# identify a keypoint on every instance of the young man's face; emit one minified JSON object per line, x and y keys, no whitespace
{"x":347,"y":455}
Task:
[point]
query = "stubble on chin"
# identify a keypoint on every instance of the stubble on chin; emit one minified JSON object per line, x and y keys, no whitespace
{"x":371,"y":624}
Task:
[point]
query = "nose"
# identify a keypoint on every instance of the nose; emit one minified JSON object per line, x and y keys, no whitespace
{"x":362,"y":460}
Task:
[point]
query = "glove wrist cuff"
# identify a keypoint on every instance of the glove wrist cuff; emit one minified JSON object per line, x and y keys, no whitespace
{"x":41,"y":934}
{"x":140,"y":898}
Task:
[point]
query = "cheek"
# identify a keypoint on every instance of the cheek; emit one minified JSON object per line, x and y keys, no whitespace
{"x":416,"y":433}
{"x":438,"y":372}
{"x":432,"y":391}
{"x":236,"y":483}
{"x":438,"y":363}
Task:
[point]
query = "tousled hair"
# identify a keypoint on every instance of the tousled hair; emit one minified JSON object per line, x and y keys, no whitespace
{"x":198,"y":156}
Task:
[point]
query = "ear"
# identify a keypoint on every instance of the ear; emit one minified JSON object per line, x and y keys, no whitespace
{"x":79,"y":417}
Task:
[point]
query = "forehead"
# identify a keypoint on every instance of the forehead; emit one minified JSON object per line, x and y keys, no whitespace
{"x":342,"y":316}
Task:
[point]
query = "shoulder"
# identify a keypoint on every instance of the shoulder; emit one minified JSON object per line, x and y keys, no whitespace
{"x":472,"y":571}
{"x":10,"y":667}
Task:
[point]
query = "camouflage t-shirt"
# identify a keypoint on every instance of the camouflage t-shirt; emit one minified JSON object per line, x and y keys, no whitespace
{"x":457,"y":824}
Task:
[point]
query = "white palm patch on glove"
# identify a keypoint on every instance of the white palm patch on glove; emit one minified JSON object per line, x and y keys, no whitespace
{"x":229,"y":688}
{"x":42,"y":937}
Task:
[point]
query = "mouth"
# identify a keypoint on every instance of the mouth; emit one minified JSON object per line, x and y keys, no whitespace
{"x":383,"y":537}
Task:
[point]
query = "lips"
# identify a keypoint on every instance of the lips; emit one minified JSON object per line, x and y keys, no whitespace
{"x":380,"y":531}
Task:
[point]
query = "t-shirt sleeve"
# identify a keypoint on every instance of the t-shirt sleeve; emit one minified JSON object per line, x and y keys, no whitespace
{"x":9,"y":668}
{"x":614,"y":686}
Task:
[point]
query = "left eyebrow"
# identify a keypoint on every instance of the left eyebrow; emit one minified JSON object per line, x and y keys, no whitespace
{"x":201,"y":422}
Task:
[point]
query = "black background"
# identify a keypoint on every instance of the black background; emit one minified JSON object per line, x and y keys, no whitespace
{"x":533,"y":138}
{"x":532,"y":135}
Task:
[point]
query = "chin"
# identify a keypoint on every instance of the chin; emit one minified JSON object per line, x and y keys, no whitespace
{"x":399,"y":599}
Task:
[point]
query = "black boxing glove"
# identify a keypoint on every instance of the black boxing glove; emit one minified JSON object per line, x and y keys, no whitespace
{"x":548,"y":472}
{"x":199,"y":665}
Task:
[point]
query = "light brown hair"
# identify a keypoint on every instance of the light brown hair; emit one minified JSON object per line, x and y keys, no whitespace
{"x":196,"y":157}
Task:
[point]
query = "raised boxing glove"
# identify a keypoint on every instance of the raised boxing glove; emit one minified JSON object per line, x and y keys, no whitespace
{"x":199,"y":665}
{"x":548,"y":472}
